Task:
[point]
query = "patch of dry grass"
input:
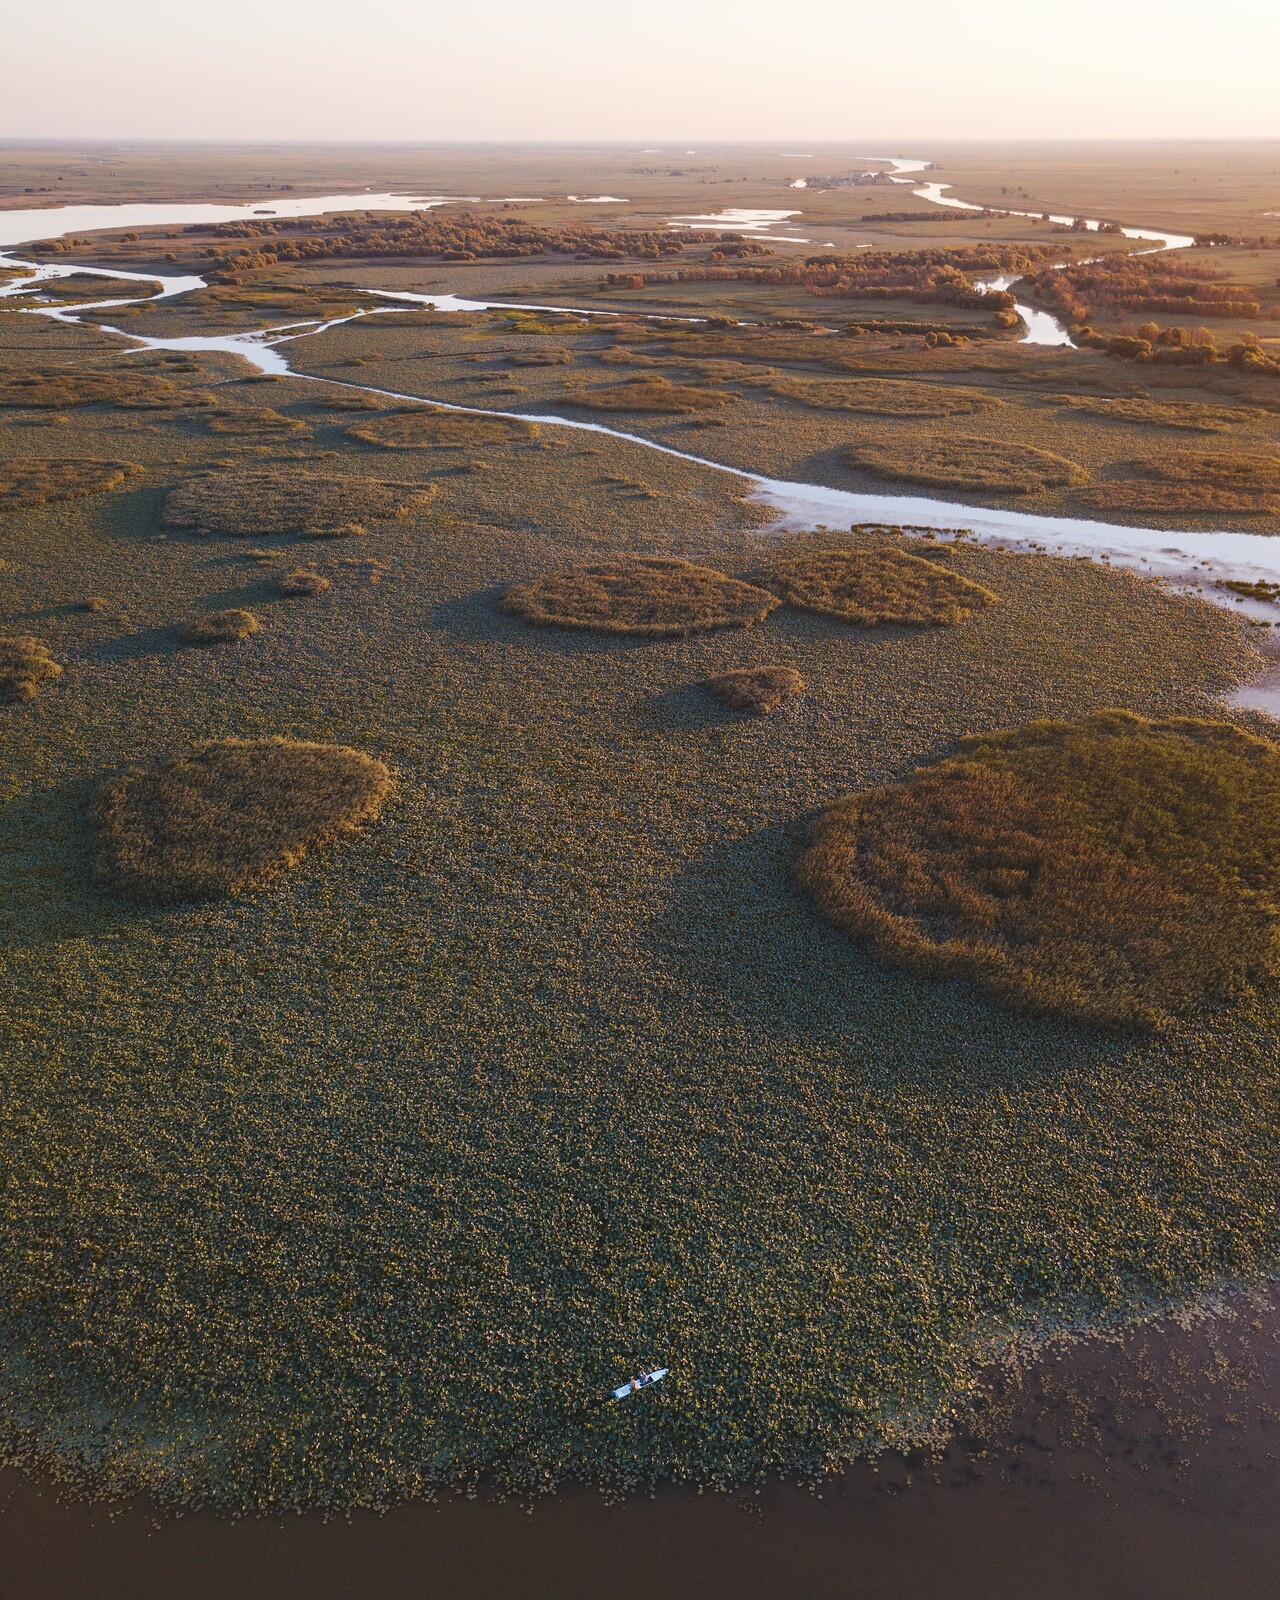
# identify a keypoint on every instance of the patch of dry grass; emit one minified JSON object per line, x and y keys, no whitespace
{"x":254,"y":421}
{"x":25,"y":664}
{"x":423,"y":429}
{"x":253,"y":503}
{"x":1115,"y":871}
{"x":36,"y":480}
{"x":1230,"y":481}
{"x":129,"y":387}
{"x":655,"y":595}
{"x":301,"y":582}
{"x":547,"y":355}
{"x":1191,"y":416}
{"x":756,"y":689}
{"x":229,"y":815}
{"x":219,"y":627}
{"x":647,"y":393}
{"x":884,"y":397}
{"x":966,"y":462}
{"x":870,"y":586}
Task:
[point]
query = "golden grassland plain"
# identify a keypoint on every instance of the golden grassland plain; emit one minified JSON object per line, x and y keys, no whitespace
{"x":1114,"y":870}
{"x":373,"y":1179}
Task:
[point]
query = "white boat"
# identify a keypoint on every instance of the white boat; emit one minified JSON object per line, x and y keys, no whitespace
{"x":645,"y":1381}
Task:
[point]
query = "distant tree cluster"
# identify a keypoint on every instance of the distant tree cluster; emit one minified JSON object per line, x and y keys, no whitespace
{"x":451,"y":236}
{"x":1186,"y":347}
{"x":1120,"y":283}
{"x":918,"y":216}
{"x":1262,"y":241}
{"x":927,"y":276}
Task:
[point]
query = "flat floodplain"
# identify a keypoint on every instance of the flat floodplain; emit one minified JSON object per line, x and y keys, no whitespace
{"x":368,"y":1183}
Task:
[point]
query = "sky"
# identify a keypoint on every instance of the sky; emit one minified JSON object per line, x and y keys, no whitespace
{"x":658,"y":70}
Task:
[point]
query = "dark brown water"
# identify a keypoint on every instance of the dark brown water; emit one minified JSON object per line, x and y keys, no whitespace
{"x":1143,"y":1470}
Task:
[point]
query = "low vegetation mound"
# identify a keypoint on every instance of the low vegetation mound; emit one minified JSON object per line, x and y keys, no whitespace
{"x":756,"y":689}
{"x":313,"y":504}
{"x":873,"y":586}
{"x":989,"y":466}
{"x":439,"y":430}
{"x":130,"y":387}
{"x":228,"y":815}
{"x":300,"y":582}
{"x":254,"y":421}
{"x":547,"y":355}
{"x":36,"y":480}
{"x":25,"y":664}
{"x":1114,"y":871}
{"x":1191,"y":481}
{"x":641,"y":594}
{"x":1189,"y":416}
{"x":219,"y":627}
{"x":647,"y":393}
{"x":884,"y":397}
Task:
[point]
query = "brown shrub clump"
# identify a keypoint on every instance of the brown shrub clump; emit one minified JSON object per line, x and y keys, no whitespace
{"x":317,"y":506}
{"x":228,"y":815}
{"x":647,"y":393}
{"x":547,"y":355}
{"x":302,"y":581}
{"x":219,"y":627}
{"x":423,"y":429}
{"x":640,"y":594}
{"x":965,"y":462}
{"x":756,"y":689}
{"x":1113,"y":871}
{"x":36,"y":480}
{"x":25,"y":664}
{"x":872,"y":586}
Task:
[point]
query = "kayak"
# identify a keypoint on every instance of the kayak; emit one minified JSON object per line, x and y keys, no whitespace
{"x":646,"y":1381}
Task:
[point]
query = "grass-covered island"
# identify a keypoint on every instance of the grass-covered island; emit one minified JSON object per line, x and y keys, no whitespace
{"x":429,"y":996}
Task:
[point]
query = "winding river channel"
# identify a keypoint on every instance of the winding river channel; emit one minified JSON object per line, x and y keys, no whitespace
{"x":1196,"y":561}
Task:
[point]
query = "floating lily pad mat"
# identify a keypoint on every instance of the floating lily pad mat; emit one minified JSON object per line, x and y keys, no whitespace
{"x":644,"y":594}
{"x":316,"y":505}
{"x":229,"y":815}
{"x":1116,"y":871}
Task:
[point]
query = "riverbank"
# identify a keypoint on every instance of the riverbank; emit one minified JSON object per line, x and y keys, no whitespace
{"x":1148,"y":1466}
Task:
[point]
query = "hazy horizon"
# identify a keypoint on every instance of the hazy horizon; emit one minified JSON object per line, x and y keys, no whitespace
{"x":571,"y":73}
